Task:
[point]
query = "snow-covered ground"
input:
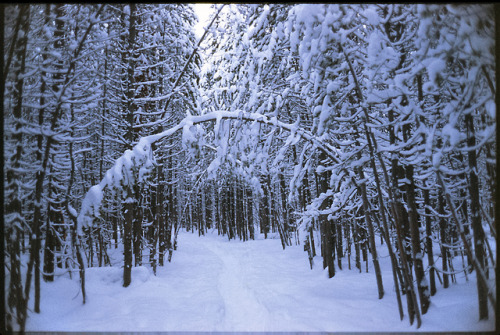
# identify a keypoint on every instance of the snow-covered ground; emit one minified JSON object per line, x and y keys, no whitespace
{"x":213,"y":284}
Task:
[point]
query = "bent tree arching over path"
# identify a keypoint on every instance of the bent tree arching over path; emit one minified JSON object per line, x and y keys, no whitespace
{"x":362,"y":134}
{"x":141,"y":159}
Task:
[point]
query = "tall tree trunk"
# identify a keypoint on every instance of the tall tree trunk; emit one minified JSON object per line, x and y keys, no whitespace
{"x":327,"y":235}
{"x":54,"y":215}
{"x":285,"y":209}
{"x":14,"y":217}
{"x":137,"y":224}
{"x":128,"y":213}
{"x":203,"y":221}
{"x":311,"y":237}
{"x":35,"y":252}
{"x":171,"y":224}
{"x":444,"y":239}
{"x":75,"y":240}
{"x":339,"y":244}
{"x":475,"y":205}
{"x":428,"y":243}
{"x":160,"y":214}
{"x":422,"y":285}
{"x":250,"y":215}
{"x":371,"y":237}
{"x":3,"y":310}
{"x":264,"y":208}
{"x":382,"y":211}
{"x":153,"y":218}
{"x":356,"y":238}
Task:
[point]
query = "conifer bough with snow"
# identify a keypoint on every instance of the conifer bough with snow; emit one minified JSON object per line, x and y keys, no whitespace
{"x":364,"y":134}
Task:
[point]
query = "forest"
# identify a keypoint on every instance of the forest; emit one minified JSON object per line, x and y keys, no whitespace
{"x":349,"y":130}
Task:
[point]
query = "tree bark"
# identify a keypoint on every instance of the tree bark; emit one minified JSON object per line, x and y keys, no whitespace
{"x":428,"y":243}
{"x":444,"y":238}
{"x":3,"y":310}
{"x":475,"y":205}
{"x":128,"y":213}
{"x":160,"y":214}
{"x":13,"y":209}
{"x":327,"y":235}
{"x":422,"y":285}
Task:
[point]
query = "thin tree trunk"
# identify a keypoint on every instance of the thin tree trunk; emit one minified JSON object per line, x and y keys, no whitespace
{"x":264,"y":208}
{"x":153,"y":218}
{"x":137,"y":224}
{"x":479,"y":270}
{"x":160,"y":215}
{"x":75,"y":240}
{"x":422,"y":285}
{"x":325,"y":225}
{"x":444,"y":239}
{"x":36,"y":227}
{"x":428,"y":243}
{"x":371,"y":237}
{"x":128,"y":213}
{"x":284,"y":208}
{"x":250,"y":214}
{"x":356,"y":238}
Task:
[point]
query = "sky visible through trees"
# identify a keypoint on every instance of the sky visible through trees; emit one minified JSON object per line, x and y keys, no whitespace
{"x":362,"y":134}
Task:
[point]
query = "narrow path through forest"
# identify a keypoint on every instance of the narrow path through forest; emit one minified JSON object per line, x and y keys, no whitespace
{"x":214,"y":284}
{"x":240,"y":305}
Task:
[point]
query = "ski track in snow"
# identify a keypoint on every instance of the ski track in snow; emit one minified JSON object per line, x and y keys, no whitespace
{"x":213,"y":284}
{"x":241,"y":308}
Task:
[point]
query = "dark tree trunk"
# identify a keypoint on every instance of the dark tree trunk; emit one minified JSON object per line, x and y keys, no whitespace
{"x":285,"y":209}
{"x":137,"y":225}
{"x":35,"y":252}
{"x":128,"y":213}
{"x":171,"y":223}
{"x":444,"y":238}
{"x":327,"y":236}
{"x":369,"y":223}
{"x":250,"y":205}
{"x":154,"y":214}
{"x":371,"y":240}
{"x":356,"y":239}
{"x":428,"y":243}
{"x":264,"y":208}
{"x":13,"y":209}
{"x":54,"y":211}
{"x":475,"y":205}
{"x":401,"y":225}
{"x":422,"y":285}
{"x":160,"y":215}
{"x":340,"y":250}
{"x":311,"y":237}
{"x":48,"y":255}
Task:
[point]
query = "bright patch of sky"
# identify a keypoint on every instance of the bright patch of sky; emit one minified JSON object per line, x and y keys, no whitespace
{"x":202,"y":10}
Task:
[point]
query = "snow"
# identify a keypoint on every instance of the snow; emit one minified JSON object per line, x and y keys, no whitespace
{"x":202,"y":11}
{"x":434,"y":69}
{"x":91,"y":203}
{"x":453,"y":134}
{"x":372,"y":16}
{"x":491,"y":109}
{"x":213,"y":284}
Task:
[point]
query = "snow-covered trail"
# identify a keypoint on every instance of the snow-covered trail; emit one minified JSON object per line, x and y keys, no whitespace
{"x":214,"y":284}
{"x":240,"y":305}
